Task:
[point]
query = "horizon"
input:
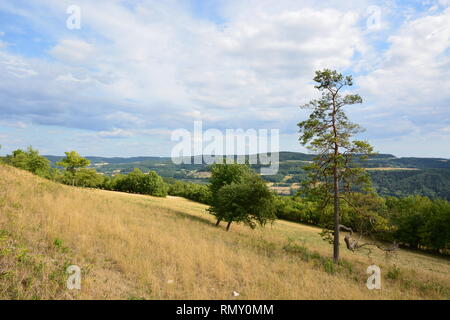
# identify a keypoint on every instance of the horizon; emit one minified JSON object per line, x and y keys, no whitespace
{"x":197,"y":155}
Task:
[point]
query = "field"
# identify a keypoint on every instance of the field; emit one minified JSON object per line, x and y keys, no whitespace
{"x":140,"y":247}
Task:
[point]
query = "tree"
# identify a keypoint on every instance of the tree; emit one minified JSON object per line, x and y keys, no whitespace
{"x":249,"y":201}
{"x":328,"y":134}
{"x":30,"y":160}
{"x":193,"y":191}
{"x":72,"y":162}
{"x":420,"y":223}
{"x":139,"y":182}
{"x":222,"y":175}
{"x":130,"y":182}
{"x":88,"y":178}
{"x":152,"y":184}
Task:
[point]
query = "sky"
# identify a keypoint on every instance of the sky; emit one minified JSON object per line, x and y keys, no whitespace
{"x":135,"y":71}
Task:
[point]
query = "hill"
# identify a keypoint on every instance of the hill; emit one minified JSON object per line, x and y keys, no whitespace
{"x":392,"y":176}
{"x":131,"y":247}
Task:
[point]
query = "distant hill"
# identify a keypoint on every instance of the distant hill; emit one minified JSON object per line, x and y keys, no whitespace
{"x":379,"y":160}
{"x":392,"y":176}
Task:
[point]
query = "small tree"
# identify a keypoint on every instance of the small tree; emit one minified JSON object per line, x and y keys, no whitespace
{"x":222,"y":175}
{"x":247,"y":200}
{"x":72,"y":162}
{"x":328,"y":134}
{"x":88,"y":178}
{"x":153,"y":184}
{"x":138,"y":182}
{"x":130,"y":182}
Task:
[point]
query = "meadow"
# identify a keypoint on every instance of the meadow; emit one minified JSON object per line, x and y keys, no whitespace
{"x":132,"y":246}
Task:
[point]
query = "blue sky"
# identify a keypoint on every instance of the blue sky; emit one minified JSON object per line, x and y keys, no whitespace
{"x":138,"y":70}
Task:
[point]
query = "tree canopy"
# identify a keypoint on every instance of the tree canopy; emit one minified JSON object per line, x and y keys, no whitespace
{"x":240,"y":195}
{"x":29,"y":160}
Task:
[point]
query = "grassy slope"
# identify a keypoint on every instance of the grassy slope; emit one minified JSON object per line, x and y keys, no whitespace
{"x":131,"y":246}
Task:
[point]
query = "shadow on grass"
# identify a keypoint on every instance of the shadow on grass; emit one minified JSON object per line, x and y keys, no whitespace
{"x":192,"y":217}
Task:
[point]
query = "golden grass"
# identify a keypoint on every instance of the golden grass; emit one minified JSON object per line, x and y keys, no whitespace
{"x":133,"y":246}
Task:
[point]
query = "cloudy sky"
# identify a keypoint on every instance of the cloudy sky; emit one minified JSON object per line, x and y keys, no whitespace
{"x":136,"y":70}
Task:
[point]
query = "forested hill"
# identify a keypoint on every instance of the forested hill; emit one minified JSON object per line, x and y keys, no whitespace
{"x":379,"y":160}
{"x":392,"y":176}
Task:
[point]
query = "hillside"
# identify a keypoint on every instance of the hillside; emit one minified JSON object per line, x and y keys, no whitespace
{"x":132,"y":247}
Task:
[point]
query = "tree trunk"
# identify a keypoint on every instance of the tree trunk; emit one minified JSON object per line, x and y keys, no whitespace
{"x":337,"y":221}
{"x":228,"y":225}
{"x":218,"y":222}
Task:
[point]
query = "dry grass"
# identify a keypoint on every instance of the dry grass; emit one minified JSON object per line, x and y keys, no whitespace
{"x":133,"y":246}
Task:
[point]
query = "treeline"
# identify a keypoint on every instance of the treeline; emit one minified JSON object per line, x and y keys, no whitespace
{"x":76,"y":173}
{"x":149,"y":183}
{"x":415,"y":222}
{"x":236,"y":193}
{"x":192,"y":191}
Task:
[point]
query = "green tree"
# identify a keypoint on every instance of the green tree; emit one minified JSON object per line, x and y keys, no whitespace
{"x":30,"y":160}
{"x":419,"y":222}
{"x":328,"y":134}
{"x":435,"y":233}
{"x":72,"y":162}
{"x":223,"y":174}
{"x":152,"y":184}
{"x":88,"y":178}
{"x":249,"y":201}
{"x":193,"y":191}
{"x":139,"y":182}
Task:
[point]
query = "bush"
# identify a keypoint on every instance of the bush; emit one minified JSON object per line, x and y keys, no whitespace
{"x":420,"y":223}
{"x":192,"y":191}
{"x":87,"y":178}
{"x":30,"y":160}
{"x":296,"y":209}
{"x":393,"y":273}
{"x":139,"y":182}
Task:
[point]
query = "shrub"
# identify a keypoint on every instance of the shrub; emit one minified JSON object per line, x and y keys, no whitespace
{"x":192,"y":191}
{"x":138,"y":182}
{"x":29,"y":160}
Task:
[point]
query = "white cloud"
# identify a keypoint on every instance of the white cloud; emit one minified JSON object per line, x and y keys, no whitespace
{"x":116,"y":133}
{"x":444,"y":2}
{"x":159,"y":55}
{"x":154,"y":66}
{"x":72,"y":50}
{"x":412,"y":80}
{"x":15,"y":66}
{"x":70,"y":77}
